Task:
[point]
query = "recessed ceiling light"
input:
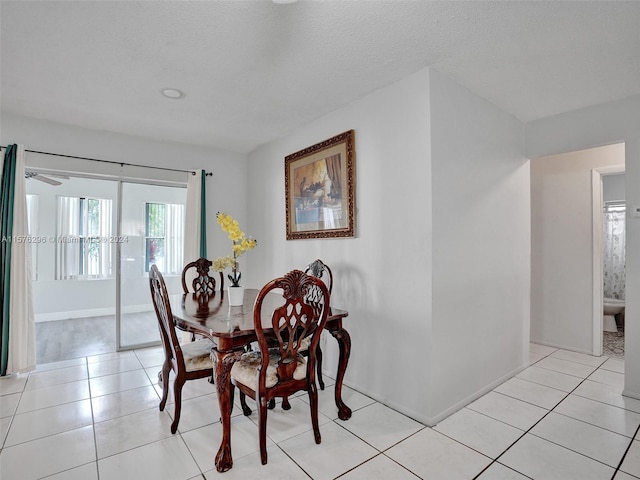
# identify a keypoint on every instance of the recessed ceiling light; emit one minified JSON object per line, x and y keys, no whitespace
{"x":172,"y":93}
{"x":284,"y":1}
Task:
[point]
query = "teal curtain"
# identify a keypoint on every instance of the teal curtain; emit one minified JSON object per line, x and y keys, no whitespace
{"x":6,"y":227}
{"x":203,"y":215}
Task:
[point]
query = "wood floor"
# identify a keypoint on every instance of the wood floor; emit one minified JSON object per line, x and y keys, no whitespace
{"x":82,"y":337}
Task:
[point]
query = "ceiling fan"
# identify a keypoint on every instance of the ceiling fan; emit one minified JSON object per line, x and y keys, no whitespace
{"x":42,"y":178}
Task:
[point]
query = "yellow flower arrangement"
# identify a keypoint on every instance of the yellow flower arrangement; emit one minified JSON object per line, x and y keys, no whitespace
{"x":241,"y":244}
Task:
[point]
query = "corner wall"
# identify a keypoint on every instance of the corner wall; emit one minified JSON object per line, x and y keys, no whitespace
{"x":481,"y":246}
{"x":383,"y":275}
{"x":437,"y":291}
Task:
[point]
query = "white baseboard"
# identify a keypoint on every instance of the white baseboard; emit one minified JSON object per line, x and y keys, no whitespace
{"x":88,"y":313}
{"x":93,"y":312}
{"x":431,"y":421}
{"x":563,"y":347}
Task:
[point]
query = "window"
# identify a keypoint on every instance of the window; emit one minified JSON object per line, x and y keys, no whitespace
{"x":83,"y":238}
{"x":164,"y":237}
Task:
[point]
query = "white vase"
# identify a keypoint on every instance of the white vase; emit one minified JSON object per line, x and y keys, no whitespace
{"x":236,"y":296}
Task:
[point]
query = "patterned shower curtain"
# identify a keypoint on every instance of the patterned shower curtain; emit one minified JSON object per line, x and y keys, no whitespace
{"x":614,"y":251}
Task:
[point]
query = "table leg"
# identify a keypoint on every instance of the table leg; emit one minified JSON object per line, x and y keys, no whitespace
{"x":344,"y":343}
{"x":224,"y":362}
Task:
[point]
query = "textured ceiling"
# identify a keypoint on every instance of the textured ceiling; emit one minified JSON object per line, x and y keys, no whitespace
{"x":252,"y":71}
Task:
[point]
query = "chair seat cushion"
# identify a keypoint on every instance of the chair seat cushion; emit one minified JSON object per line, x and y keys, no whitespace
{"x":245,"y":370}
{"x":305,"y":343}
{"x":197,"y":355}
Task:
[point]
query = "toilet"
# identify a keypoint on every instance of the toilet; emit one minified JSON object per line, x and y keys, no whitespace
{"x":611,"y":307}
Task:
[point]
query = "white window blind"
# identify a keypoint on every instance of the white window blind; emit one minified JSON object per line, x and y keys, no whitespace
{"x":83,"y":238}
{"x":164,"y":237}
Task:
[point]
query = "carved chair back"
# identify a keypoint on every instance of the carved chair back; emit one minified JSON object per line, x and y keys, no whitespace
{"x":303,"y":313}
{"x":203,"y":282}
{"x":162,"y":306}
{"x":319,"y":269}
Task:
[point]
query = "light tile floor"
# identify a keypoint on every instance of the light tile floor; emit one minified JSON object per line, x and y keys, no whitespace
{"x":97,"y":418}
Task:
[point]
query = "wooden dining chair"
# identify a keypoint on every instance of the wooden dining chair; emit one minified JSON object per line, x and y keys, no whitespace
{"x":282,"y":370}
{"x":319,"y":269}
{"x":189,"y":361}
{"x":202,"y":282}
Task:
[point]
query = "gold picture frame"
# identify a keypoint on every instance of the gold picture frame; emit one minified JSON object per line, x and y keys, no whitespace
{"x":320,"y":189}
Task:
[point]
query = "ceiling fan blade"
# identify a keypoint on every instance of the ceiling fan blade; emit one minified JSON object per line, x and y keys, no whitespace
{"x":48,"y":180}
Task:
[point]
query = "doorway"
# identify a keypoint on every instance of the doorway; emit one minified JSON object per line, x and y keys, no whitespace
{"x":609,"y":287}
{"x":90,"y":276}
{"x":566,"y":245}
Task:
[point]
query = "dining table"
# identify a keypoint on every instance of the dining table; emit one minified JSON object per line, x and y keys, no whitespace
{"x":231,"y":328}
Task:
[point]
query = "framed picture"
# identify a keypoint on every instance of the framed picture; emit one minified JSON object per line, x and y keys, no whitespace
{"x":320,"y":189}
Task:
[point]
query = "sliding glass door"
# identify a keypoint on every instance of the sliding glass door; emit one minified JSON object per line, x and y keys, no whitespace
{"x":72,"y":222}
{"x":151,"y":232}
{"x":93,"y":241}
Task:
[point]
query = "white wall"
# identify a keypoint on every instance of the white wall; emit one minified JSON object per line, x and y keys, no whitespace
{"x":613,"y":186}
{"x":386,"y":277}
{"x":225,"y":189}
{"x":481,"y":246}
{"x":562,"y":247}
{"x":383,"y":275}
{"x":613,"y":122}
